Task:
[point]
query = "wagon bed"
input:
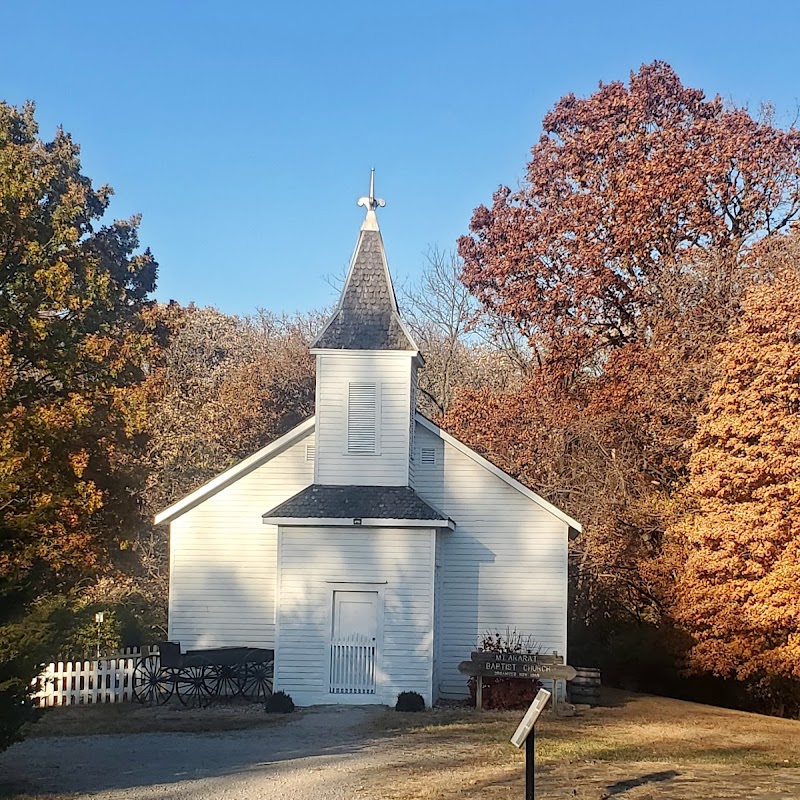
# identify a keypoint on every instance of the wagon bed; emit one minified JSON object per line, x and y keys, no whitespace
{"x":197,"y":677}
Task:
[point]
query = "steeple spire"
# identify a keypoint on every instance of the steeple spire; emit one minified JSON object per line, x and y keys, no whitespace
{"x":367,"y":316}
{"x":371,"y":203}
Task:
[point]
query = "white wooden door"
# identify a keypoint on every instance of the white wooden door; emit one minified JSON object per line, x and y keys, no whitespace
{"x":354,"y":642}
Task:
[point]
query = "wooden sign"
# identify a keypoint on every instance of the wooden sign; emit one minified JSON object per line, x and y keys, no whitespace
{"x":530,"y":666}
{"x":504,"y":669}
{"x":515,"y":658}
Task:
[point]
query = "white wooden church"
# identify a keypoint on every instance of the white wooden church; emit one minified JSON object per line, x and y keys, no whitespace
{"x":367,"y":547}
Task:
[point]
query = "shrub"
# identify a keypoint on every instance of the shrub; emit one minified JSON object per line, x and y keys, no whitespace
{"x":410,"y":701}
{"x":509,"y":642}
{"x":280,"y":703}
{"x":504,"y":694}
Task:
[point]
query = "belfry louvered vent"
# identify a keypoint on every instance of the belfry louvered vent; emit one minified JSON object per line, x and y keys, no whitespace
{"x":362,"y":419}
{"x":427,"y":456}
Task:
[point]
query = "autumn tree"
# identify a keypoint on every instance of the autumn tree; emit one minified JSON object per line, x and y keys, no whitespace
{"x":624,"y":191}
{"x":622,"y":258}
{"x":75,"y":332}
{"x":462,"y":346}
{"x":736,"y":556}
{"x":222,"y":388}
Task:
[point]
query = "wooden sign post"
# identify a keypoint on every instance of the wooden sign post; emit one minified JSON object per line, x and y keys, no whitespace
{"x":513,"y":665}
{"x":525,"y":734}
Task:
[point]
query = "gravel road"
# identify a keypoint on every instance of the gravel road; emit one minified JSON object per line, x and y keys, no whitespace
{"x":320,"y":754}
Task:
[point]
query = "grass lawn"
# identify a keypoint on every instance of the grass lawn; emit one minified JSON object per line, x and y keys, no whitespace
{"x":636,"y":746}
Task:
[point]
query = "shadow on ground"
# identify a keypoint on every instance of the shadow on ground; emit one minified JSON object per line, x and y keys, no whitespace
{"x":653,"y":777}
{"x":91,"y":764}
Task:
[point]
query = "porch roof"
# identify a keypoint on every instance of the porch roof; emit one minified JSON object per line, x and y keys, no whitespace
{"x":357,"y":505}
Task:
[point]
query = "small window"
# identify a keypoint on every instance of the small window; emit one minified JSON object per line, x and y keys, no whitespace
{"x":310,"y":452}
{"x":427,"y":456}
{"x":363,"y":403}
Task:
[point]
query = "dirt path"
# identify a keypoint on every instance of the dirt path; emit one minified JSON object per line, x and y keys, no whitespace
{"x":320,"y":754}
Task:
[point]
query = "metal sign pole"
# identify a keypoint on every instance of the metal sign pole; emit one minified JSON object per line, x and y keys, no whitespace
{"x":525,"y":734}
{"x":530,"y":749}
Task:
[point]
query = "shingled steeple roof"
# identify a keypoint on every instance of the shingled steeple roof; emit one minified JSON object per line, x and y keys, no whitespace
{"x":367,"y":317}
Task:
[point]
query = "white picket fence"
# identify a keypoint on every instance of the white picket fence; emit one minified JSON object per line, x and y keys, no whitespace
{"x":105,"y":680}
{"x":353,"y":665}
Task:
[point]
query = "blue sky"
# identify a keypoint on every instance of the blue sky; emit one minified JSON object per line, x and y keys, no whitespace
{"x":244,"y":132}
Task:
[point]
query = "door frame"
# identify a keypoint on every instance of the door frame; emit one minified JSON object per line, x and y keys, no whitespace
{"x":376,"y":587}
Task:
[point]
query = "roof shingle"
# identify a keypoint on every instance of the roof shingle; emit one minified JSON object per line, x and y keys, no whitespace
{"x":355,"y":502}
{"x":366,"y":317}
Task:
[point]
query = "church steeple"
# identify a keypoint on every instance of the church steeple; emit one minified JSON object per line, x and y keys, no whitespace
{"x":367,"y":316}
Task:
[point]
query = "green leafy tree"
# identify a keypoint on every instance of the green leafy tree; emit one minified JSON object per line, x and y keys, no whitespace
{"x":75,"y":331}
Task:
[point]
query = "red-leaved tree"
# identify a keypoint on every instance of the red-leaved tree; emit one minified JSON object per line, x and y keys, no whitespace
{"x":622,"y":257}
{"x":624,"y":191}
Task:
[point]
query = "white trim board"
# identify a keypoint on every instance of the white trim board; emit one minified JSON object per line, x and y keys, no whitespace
{"x":230,"y":475}
{"x":327,"y":351}
{"x":365,"y":522}
{"x":513,"y":482}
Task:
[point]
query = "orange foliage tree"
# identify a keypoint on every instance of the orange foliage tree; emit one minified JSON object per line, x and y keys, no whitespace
{"x":736,"y":557}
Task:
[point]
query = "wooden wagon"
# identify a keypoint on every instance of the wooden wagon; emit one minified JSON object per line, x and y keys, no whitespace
{"x":197,"y":677}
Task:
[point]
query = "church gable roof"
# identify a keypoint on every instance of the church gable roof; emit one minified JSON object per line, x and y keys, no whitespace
{"x":367,"y":317}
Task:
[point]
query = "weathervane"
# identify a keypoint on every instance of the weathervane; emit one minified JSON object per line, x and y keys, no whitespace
{"x":371,"y":203}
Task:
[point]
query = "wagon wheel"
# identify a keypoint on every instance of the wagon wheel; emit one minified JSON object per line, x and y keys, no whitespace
{"x":257,"y":679}
{"x":151,"y":683}
{"x":193,"y":683}
{"x":225,"y":680}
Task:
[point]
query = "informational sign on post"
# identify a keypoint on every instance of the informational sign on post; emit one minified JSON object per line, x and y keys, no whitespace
{"x":529,"y":720}
{"x":524,"y":734}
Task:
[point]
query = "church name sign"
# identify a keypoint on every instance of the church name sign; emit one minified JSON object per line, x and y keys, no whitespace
{"x":516,"y":665}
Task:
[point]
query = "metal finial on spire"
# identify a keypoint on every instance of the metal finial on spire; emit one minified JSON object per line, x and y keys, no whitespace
{"x":371,"y":203}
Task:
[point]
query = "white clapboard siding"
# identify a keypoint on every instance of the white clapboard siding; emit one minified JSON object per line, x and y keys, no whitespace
{"x":437,"y":615}
{"x":337,"y":374}
{"x":315,"y":562}
{"x":69,"y":683}
{"x":223,"y":558}
{"x":504,"y":566}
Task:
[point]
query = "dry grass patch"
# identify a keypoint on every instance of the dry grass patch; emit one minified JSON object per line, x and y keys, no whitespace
{"x":636,"y":746}
{"x":629,"y":727}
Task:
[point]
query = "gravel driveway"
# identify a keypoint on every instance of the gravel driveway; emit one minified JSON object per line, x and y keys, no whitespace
{"x":319,"y":755}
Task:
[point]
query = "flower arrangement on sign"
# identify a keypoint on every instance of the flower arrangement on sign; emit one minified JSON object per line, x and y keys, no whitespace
{"x":506,"y":693}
